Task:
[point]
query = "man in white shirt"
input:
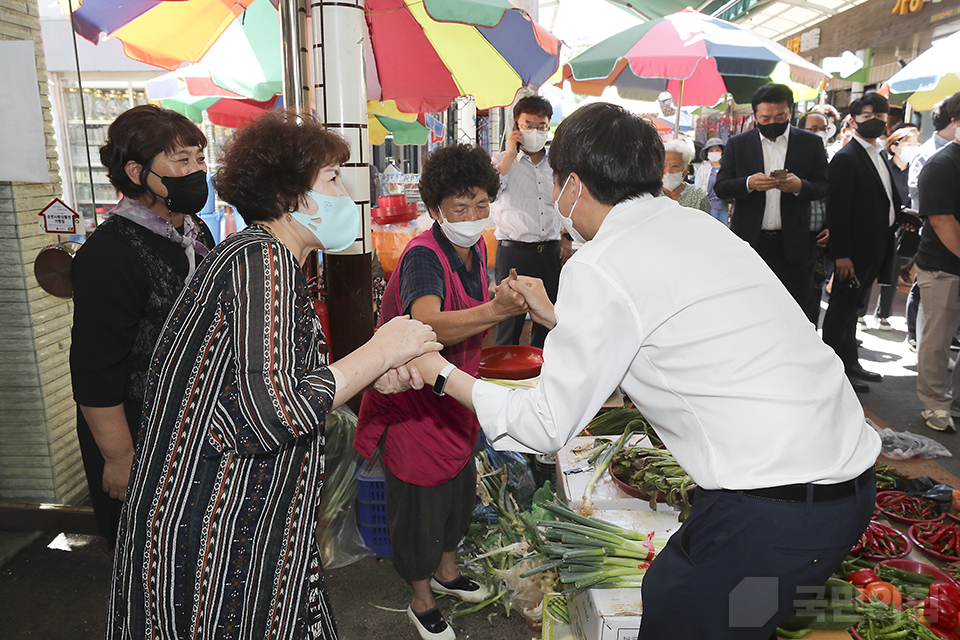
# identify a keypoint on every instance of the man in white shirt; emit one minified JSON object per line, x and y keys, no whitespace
{"x":862,"y":215}
{"x":528,"y":232}
{"x":726,"y":368}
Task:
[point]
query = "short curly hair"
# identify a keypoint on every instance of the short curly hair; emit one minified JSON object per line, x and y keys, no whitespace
{"x":455,"y":171}
{"x":141,"y":134}
{"x":270,"y":163}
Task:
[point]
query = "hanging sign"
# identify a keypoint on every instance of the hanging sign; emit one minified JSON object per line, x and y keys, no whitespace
{"x":903,"y":7}
{"x":845,"y":65}
{"x":57,"y":217}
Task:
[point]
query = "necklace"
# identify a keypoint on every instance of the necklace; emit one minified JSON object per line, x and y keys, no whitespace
{"x":269,"y":230}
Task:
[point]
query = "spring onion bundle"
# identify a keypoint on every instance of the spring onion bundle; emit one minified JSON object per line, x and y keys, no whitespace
{"x":655,"y":473}
{"x":594,"y":553}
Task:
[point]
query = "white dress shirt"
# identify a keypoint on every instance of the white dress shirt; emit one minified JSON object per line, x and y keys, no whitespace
{"x":715,"y":353}
{"x":774,"y":157}
{"x":523,"y":210}
{"x":873,"y":150}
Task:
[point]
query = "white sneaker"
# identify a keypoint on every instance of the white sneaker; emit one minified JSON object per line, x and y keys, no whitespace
{"x":431,"y":625}
{"x":938,"y":419}
{"x":464,"y":588}
{"x":883,"y":325}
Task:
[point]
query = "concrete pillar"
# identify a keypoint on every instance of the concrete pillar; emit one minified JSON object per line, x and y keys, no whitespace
{"x":340,"y":96}
{"x":39,"y":456}
{"x":856,"y":88}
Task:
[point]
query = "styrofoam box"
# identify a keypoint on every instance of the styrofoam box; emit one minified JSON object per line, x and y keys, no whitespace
{"x":614,"y":614}
{"x":606,"y":494}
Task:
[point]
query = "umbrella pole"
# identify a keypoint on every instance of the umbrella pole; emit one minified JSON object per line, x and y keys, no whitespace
{"x":676,"y":128}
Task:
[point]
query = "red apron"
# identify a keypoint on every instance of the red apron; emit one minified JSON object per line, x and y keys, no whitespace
{"x":431,"y":438}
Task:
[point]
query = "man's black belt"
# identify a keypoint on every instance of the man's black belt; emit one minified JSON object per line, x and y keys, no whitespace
{"x":539,"y":247}
{"x":770,"y":233}
{"x":821,"y":492}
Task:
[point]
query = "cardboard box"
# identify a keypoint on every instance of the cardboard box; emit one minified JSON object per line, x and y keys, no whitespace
{"x":606,"y":614}
{"x":614,"y":614}
{"x":556,"y":618}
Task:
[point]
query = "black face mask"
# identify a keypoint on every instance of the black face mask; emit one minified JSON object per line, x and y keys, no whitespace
{"x":185,"y":194}
{"x":773,"y":130}
{"x":872,"y":128}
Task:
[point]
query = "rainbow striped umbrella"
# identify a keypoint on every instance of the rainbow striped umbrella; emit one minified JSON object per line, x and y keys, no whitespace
{"x":429,"y":52}
{"x":695,"y":57}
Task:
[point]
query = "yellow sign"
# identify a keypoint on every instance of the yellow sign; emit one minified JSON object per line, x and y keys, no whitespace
{"x":794,"y":44}
{"x":904,"y":7}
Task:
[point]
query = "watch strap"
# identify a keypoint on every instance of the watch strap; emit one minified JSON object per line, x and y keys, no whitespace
{"x":440,"y":384}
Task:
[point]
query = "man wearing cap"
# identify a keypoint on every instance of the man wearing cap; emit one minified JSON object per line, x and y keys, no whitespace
{"x":774,"y":171}
{"x":528,"y":231}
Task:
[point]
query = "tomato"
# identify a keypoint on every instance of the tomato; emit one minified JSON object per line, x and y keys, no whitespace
{"x":946,"y":591}
{"x":940,"y":612}
{"x":862,"y":577}
{"x":884,"y":592}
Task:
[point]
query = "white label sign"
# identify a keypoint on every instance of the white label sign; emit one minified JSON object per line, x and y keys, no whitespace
{"x":57,"y":217}
{"x":845,"y":65}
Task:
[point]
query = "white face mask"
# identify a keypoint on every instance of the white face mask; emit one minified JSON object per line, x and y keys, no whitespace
{"x":672,"y":180}
{"x":714,"y":156}
{"x":463,"y":234}
{"x":824,"y":135}
{"x":567,"y":221}
{"x":831,"y":130}
{"x":907,"y":154}
{"x":534,"y":140}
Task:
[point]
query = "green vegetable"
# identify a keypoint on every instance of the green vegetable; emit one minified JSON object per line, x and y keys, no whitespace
{"x":654,"y":472}
{"x":600,"y":468}
{"x":881,"y":621}
{"x":593,"y":553}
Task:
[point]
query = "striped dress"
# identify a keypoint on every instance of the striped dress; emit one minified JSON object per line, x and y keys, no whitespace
{"x":217,"y":534}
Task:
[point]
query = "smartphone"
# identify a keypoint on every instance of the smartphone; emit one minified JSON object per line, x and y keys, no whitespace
{"x":779,"y":174}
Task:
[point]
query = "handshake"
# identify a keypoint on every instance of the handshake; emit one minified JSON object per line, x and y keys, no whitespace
{"x":521,"y":294}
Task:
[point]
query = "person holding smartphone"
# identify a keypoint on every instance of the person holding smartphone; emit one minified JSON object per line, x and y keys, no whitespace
{"x":528,"y":231}
{"x":774,"y":172}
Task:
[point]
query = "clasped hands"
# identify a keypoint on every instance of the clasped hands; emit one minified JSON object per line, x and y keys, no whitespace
{"x":415,"y":352}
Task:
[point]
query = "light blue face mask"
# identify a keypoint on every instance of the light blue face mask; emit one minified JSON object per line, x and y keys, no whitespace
{"x":336,"y":224}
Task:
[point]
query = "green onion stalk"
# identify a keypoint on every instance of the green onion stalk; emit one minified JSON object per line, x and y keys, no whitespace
{"x":600,"y":466}
{"x":590,"y":552}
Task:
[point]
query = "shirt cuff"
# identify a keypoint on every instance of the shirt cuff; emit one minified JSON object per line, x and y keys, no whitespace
{"x":747,"y":183}
{"x":489,"y":401}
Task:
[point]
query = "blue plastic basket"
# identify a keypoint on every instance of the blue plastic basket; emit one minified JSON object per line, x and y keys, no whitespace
{"x":372,"y":515}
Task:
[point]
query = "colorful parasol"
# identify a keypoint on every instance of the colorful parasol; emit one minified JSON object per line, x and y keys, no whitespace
{"x":158,"y":32}
{"x":695,"y":57}
{"x":407,"y":128}
{"x":929,"y":78}
{"x":429,"y":52}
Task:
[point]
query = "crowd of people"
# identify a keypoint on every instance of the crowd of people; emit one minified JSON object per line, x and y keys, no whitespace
{"x":202,"y":378}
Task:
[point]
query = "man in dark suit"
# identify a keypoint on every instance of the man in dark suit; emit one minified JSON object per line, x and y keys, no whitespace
{"x":862,"y":215}
{"x":774,"y":172}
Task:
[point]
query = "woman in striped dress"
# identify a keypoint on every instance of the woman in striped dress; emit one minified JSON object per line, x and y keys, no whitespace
{"x":217,"y":534}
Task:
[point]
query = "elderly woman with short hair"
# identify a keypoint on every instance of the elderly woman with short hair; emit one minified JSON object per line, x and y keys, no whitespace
{"x":217,"y":535}
{"x":676,"y":165}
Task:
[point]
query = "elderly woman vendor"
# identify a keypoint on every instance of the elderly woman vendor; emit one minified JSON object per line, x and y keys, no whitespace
{"x":217,"y":534}
{"x":759,"y":413}
{"x":428,"y":440}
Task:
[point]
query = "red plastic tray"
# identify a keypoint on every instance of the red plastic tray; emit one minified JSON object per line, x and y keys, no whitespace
{"x":912,"y":535}
{"x":919,"y":567}
{"x":898,"y":518}
{"x":510,"y":362}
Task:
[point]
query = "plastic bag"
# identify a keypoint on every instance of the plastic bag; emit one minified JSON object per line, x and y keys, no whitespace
{"x":526,"y":594}
{"x":520,"y":480}
{"x":337,"y":533}
{"x":901,"y":445}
